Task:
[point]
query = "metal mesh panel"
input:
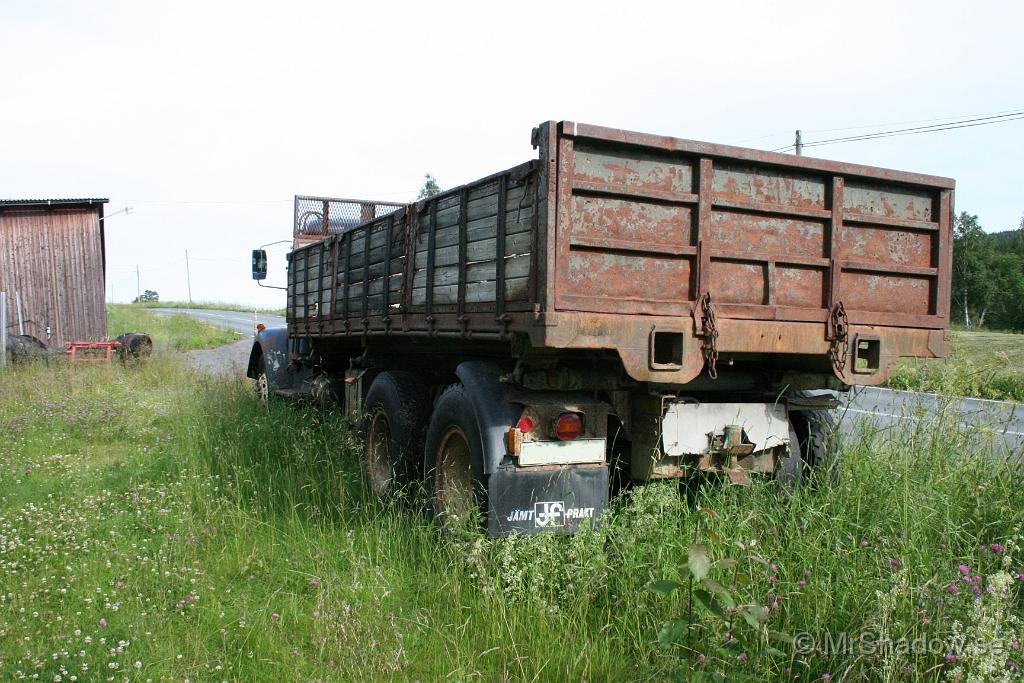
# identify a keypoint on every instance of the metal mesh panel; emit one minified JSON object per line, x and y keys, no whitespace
{"x":323,"y":216}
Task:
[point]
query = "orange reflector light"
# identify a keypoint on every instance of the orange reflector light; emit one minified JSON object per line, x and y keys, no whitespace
{"x":261,"y":327}
{"x":568,"y":426}
{"x":525,"y":425}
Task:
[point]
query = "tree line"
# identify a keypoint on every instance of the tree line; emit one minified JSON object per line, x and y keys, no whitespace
{"x":988,"y":275}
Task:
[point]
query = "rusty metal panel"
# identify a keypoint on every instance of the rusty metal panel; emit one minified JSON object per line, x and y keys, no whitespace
{"x":648,"y":224}
{"x":52,"y":253}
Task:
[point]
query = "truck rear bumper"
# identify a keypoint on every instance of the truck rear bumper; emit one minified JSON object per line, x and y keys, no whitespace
{"x":556,"y":499}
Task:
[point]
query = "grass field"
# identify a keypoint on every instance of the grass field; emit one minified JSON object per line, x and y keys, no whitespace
{"x":175,"y":332}
{"x":984,"y":364}
{"x":210,"y":306}
{"x":160,"y":525}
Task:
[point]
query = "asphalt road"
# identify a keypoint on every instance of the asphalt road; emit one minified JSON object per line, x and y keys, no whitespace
{"x":889,"y":410}
{"x":864,"y":408}
{"x":233,"y":320}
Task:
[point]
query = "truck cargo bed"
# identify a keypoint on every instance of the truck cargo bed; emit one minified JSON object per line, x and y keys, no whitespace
{"x":669,"y":252}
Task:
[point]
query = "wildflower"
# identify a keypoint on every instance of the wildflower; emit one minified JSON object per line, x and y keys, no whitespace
{"x":742,"y":658}
{"x":895,"y":562}
{"x":772,"y":580}
{"x":807,"y":573}
{"x":103,"y":623}
{"x":774,"y":569}
{"x":826,"y":677}
{"x":313,"y":583}
{"x":951,"y":659}
{"x":908,"y":670}
{"x":864,"y":544}
{"x":275,"y":616}
{"x":1015,"y":645}
{"x":964,"y":569}
{"x":701,"y":658}
{"x":801,"y":583}
{"x":997,"y":548}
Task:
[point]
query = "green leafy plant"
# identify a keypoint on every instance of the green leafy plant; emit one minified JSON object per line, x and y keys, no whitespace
{"x":724,"y":626}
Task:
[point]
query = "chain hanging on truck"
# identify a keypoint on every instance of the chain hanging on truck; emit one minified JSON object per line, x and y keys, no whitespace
{"x":837,"y":331}
{"x":708,"y":329}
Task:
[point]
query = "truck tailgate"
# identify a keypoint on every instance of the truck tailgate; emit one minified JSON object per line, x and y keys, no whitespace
{"x":648,"y":224}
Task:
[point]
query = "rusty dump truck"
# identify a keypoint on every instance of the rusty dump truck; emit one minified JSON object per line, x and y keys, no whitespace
{"x":625,"y":307}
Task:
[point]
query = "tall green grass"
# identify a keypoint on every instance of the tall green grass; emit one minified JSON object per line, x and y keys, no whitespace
{"x":156,"y":524}
{"x":982,"y":364}
{"x":174,"y":332}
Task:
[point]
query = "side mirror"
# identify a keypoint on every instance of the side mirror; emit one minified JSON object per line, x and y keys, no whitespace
{"x":259,"y":264}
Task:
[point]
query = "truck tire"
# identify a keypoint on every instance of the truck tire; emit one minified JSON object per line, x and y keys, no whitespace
{"x":815,"y":433}
{"x":395,"y":414}
{"x":453,"y":461}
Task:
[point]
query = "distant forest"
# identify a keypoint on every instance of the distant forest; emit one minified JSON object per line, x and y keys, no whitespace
{"x":988,"y":275}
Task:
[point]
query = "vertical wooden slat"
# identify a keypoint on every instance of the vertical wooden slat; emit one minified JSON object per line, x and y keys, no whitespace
{"x":461,"y":287}
{"x":428,"y":304}
{"x":499,"y":246}
{"x":367,"y":234}
{"x":347,"y":239}
{"x":386,"y":305}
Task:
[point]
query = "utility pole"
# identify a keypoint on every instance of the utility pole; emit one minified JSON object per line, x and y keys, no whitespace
{"x":138,"y":288}
{"x":799,"y":144}
{"x":188,"y":278}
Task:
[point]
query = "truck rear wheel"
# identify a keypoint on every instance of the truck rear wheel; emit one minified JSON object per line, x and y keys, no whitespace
{"x":813,"y":435}
{"x":454,"y":460}
{"x":395,"y":414}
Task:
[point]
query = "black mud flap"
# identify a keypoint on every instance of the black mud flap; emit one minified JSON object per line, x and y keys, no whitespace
{"x":525,"y":501}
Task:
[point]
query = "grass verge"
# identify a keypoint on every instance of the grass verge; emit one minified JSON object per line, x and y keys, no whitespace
{"x":157,"y":524}
{"x":981,"y":364}
{"x":210,"y":306}
{"x":174,"y":332}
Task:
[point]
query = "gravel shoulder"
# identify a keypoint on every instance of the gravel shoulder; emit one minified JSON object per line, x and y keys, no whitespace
{"x":229,"y":360}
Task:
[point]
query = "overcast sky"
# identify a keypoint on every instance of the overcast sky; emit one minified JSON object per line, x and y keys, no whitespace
{"x":207,"y":117}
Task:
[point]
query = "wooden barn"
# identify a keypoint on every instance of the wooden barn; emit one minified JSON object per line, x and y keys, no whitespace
{"x":52,"y":257}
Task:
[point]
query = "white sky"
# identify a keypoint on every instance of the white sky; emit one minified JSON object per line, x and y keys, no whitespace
{"x":207,"y":117}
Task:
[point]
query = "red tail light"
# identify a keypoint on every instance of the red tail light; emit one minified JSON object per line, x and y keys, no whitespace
{"x":525,"y":425}
{"x":568,"y":426}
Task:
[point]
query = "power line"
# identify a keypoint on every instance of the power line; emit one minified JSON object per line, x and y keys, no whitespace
{"x":950,"y":119}
{"x":966,"y":123}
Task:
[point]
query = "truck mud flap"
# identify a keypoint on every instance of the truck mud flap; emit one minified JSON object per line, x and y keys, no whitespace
{"x":552,"y":500}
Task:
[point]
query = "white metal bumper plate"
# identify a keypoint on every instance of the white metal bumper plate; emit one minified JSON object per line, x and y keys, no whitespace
{"x":561,"y":452}
{"x":686,"y":425}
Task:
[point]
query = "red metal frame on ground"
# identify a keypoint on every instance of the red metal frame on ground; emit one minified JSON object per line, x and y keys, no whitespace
{"x":92,"y":352}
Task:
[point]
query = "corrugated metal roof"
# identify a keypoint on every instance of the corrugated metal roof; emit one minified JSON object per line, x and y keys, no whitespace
{"x":53,"y":202}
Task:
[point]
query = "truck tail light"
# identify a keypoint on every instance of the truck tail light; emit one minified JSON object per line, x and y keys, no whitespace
{"x":568,"y":426}
{"x":525,"y":425}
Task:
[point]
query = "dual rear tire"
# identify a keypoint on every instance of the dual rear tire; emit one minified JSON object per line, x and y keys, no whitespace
{"x":406,"y":436}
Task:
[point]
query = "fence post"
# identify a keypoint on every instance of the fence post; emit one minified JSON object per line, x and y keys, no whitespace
{"x":3,"y":330}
